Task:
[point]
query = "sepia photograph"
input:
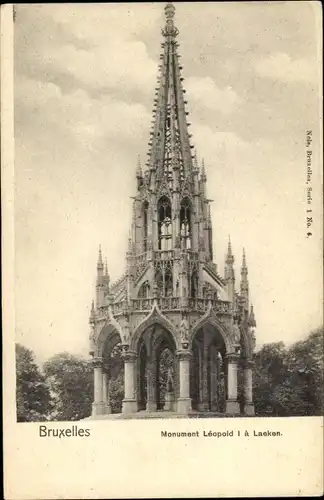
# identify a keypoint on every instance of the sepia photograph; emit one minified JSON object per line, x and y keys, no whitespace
{"x":167,"y":221}
{"x":164,"y":266}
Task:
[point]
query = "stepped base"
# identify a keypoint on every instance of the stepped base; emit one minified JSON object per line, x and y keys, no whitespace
{"x":142,"y":415}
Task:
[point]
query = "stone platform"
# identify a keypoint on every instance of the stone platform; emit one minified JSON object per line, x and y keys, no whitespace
{"x":142,"y":415}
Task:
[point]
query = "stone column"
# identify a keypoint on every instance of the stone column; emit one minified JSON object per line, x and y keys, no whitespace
{"x":200,"y":371}
{"x":129,"y":401}
{"x":98,"y":404}
{"x":205,"y":375}
{"x":232,"y":404}
{"x":184,"y":400}
{"x":150,"y":403}
{"x":248,"y":397}
{"x":213,"y":378}
{"x":105,"y":393}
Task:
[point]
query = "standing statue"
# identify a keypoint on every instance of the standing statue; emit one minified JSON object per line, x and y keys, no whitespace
{"x":236,"y":332}
{"x":184,"y":330}
{"x":170,"y":381}
{"x":126,"y":331}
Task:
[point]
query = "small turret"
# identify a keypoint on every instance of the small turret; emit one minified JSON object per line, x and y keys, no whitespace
{"x":139,"y":173}
{"x":252,"y":322}
{"x":229,"y":272}
{"x":244,"y":286}
{"x":196,"y":174}
{"x":106,"y":277}
{"x":100,"y":280}
{"x":203,"y":178}
{"x":92,"y":314}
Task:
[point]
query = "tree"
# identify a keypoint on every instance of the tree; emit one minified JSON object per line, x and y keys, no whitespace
{"x":306,"y":364}
{"x":71,"y":382}
{"x":290,"y":381}
{"x":270,"y":371}
{"x":33,"y":399}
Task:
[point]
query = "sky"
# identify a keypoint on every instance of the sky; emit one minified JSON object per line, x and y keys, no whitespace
{"x":84,"y":86}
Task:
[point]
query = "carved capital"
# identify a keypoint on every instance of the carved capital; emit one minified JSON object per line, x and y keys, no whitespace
{"x":248,"y":364}
{"x":232,"y":357}
{"x":97,"y":362}
{"x":128,"y":355}
{"x":183,"y":354}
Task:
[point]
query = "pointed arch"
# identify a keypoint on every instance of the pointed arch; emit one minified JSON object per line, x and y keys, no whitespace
{"x":164,"y":223}
{"x":110,"y":331}
{"x":154,"y":318}
{"x":186,"y":223}
{"x":209,"y":319}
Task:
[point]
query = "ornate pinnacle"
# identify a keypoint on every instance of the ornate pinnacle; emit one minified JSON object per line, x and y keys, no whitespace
{"x":229,"y":250}
{"x":106,"y":273}
{"x":244,"y":266}
{"x":244,"y":279}
{"x":92,"y":313}
{"x":196,"y":161}
{"x":139,"y":168}
{"x":209,"y":214}
{"x":170,"y":29}
{"x":229,"y":270}
{"x":100,"y":262}
{"x":203,"y":177}
{"x":252,"y":321}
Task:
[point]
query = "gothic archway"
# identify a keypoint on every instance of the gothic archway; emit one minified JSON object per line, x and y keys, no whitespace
{"x":185,"y":223}
{"x":164,"y":223}
{"x":208,"y":370}
{"x":113,"y":370}
{"x":142,"y":383}
{"x":166,"y":369}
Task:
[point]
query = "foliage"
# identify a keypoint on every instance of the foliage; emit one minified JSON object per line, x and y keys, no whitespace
{"x":71,"y":382}
{"x":33,"y":399}
{"x":286,"y":381}
{"x":289,"y":381}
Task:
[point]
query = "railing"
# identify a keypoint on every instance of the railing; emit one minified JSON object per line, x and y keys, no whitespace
{"x":202,"y":304}
{"x":163,"y":255}
{"x":170,"y":304}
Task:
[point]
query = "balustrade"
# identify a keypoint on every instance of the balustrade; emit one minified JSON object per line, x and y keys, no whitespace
{"x":169,"y":304}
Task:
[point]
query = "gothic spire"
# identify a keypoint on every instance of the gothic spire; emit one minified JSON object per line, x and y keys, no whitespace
{"x":229,"y":272}
{"x":252,"y":321}
{"x":169,"y":146}
{"x":244,"y":286}
{"x":100,"y":262}
{"x":229,"y":256}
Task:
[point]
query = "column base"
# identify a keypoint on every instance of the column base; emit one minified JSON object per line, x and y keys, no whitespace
{"x":98,"y":409}
{"x":249,"y":409}
{"x":203,"y":407}
{"x":169,"y":402}
{"x":214,"y":406}
{"x":151,"y":406}
{"x":129,"y":406}
{"x":107,"y":409}
{"x":184,"y":405}
{"x":232,"y":407}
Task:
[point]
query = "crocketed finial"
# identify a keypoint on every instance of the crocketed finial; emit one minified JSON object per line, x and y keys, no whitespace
{"x":170,"y":29}
{"x":244,"y":259}
{"x":169,"y":10}
{"x":100,"y":262}
{"x":229,"y":248}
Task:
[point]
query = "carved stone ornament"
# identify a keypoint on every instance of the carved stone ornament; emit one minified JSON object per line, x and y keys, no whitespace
{"x":184,"y":332}
{"x":236,"y":332}
{"x":96,"y":362}
{"x":169,"y":381}
{"x":126,"y":331}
